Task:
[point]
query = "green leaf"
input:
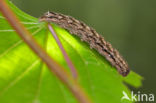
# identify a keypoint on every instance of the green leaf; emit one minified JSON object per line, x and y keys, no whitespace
{"x":25,"y":79}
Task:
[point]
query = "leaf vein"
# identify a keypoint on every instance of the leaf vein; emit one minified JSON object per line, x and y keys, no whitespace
{"x":12,"y":83}
{"x":17,"y":43}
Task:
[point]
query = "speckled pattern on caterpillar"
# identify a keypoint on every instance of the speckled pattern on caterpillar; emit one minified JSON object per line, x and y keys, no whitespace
{"x":89,"y":35}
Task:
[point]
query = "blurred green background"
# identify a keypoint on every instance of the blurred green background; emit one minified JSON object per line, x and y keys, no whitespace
{"x":130,"y":26}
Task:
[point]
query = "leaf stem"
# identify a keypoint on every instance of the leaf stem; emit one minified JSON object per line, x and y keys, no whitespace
{"x":54,"y":67}
{"x":69,"y":62}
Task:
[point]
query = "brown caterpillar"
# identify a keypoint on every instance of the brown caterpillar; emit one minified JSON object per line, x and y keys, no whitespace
{"x":89,"y":35}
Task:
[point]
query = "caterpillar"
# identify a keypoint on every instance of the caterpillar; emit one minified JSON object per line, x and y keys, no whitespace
{"x":90,"y":36}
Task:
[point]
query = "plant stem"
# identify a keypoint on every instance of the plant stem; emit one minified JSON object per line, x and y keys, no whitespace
{"x":69,"y":62}
{"x":54,"y":67}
